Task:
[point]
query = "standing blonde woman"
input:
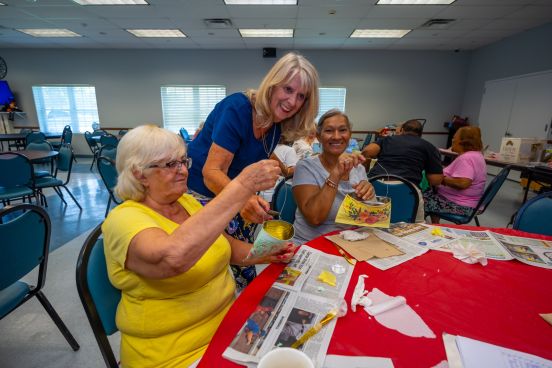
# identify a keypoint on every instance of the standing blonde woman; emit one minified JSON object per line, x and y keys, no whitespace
{"x":245,"y":128}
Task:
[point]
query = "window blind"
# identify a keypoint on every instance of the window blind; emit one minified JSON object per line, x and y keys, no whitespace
{"x":331,"y":98}
{"x":187,"y":106}
{"x":58,"y":106}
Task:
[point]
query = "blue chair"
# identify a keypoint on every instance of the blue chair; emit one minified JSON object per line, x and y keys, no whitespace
{"x":94,"y":146}
{"x":403,"y":194}
{"x":64,"y":163}
{"x":108,"y":151}
{"x":19,"y":183}
{"x":99,"y":298}
{"x":284,"y":202}
{"x":488,"y":195}
{"x":185,"y":135}
{"x":25,"y":233}
{"x":108,"y":140}
{"x":108,"y":172}
{"x":367,"y":140}
{"x":41,"y":146}
{"x":66,"y":138}
{"x":534,"y":215}
{"x":34,"y":137}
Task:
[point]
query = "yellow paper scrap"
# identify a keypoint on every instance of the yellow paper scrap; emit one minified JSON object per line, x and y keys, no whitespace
{"x":353,"y":212}
{"x":437,"y":231}
{"x":327,"y":277}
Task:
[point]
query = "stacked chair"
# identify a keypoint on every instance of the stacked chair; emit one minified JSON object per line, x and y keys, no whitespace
{"x":108,"y":172}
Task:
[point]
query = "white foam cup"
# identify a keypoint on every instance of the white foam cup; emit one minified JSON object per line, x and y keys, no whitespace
{"x":285,"y":358}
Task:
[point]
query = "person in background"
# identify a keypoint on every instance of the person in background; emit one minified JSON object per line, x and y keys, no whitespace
{"x":169,"y":255}
{"x":321,"y":182}
{"x":304,"y":146}
{"x":200,"y":126}
{"x":287,"y":159}
{"x":406,"y":154}
{"x":245,"y":128}
{"x":464,"y":179}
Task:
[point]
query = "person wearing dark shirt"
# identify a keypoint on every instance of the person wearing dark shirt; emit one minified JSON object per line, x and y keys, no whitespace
{"x":406,"y":154}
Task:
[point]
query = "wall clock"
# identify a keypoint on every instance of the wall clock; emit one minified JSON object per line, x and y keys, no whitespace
{"x":3,"y":68}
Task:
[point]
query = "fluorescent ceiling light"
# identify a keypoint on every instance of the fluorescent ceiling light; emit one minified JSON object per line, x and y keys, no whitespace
{"x":111,"y":2}
{"x":415,"y":2}
{"x":266,"y":32}
{"x":260,"y":2}
{"x":49,"y":32}
{"x":157,"y":33}
{"x":379,"y":33}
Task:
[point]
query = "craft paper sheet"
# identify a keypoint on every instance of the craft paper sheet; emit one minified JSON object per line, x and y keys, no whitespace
{"x":396,"y":314}
{"x":353,"y":212}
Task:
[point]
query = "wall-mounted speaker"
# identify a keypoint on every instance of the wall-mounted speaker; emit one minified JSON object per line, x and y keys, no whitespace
{"x":269,"y":52}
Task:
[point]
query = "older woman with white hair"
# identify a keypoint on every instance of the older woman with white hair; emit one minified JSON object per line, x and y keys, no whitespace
{"x":169,"y":255}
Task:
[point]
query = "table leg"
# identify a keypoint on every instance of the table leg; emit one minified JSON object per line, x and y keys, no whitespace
{"x":529,"y":179}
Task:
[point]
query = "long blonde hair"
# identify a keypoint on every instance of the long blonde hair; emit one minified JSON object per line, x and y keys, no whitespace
{"x":285,"y":69}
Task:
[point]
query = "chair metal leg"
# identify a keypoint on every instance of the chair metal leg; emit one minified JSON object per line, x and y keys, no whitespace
{"x":108,"y":204}
{"x":60,"y":195}
{"x":477,"y":221}
{"x":57,"y":320}
{"x":72,"y":196}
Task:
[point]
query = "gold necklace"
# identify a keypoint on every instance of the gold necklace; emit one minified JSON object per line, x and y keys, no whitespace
{"x":266,"y":148}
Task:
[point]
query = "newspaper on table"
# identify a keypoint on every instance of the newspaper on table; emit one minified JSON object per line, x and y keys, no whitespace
{"x":295,"y":303}
{"x":409,"y":250}
{"x":420,"y":234}
{"x":534,"y":252}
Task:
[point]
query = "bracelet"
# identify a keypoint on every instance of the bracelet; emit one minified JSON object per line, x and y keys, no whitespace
{"x":330,"y":183}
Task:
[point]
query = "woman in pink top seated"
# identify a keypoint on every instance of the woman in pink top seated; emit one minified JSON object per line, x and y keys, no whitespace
{"x":463,"y":180}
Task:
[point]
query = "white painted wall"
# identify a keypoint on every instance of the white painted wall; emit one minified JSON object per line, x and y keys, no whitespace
{"x":382,"y":86}
{"x":524,"y":53}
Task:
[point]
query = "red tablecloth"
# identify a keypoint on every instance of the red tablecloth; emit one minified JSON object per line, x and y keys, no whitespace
{"x":499,"y":303}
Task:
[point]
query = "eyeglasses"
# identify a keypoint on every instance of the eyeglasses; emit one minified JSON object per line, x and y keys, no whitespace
{"x":175,"y":165}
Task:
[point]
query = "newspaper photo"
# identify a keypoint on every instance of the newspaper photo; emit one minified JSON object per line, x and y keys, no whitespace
{"x":533,"y":252}
{"x":481,"y":239}
{"x":298,"y":300}
{"x":420,"y":234}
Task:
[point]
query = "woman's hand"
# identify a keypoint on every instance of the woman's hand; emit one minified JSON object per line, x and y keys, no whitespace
{"x":364,"y":190}
{"x":259,"y":176}
{"x":346,"y":162}
{"x":282,"y":256}
{"x":256,"y":210}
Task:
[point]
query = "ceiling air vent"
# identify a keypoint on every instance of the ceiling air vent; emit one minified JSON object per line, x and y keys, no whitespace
{"x":218,"y":23}
{"x":438,"y":23}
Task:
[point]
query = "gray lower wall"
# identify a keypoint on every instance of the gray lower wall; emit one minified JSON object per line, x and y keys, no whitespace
{"x":382,"y":86}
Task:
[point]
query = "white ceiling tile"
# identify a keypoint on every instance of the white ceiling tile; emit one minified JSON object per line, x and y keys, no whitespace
{"x":262,"y":11}
{"x":477,"y":12}
{"x":405,"y":11}
{"x":533,"y":12}
{"x":333,"y":12}
{"x":264,"y":23}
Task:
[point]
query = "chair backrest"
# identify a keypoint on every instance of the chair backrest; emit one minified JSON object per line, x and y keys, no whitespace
{"x":122,"y":132}
{"x":19,"y":168}
{"x":34,"y":137}
{"x":67,"y":135}
{"x":25,"y":234}
{"x":65,"y":159}
{"x":367,"y":140}
{"x":403,"y":194}
{"x":109,"y":151}
{"x":184,"y":134}
{"x":99,"y":298}
{"x":491,"y":190}
{"x":533,"y":216}
{"x":39,"y":146}
{"x":109,"y":140}
{"x":91,"y":142}
{"x":284,"y":202}
{"x":108,"y":172}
